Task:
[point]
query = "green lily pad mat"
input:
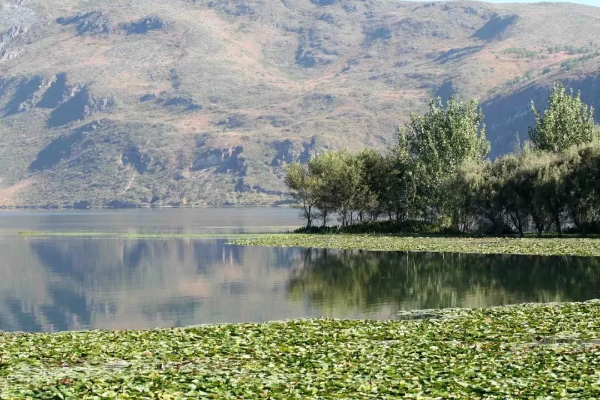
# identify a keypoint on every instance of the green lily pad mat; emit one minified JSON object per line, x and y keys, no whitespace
{"x":478,"y":245}
{"x":528,"y":351}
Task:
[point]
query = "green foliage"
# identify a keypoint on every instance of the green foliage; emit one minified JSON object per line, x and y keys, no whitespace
{"x":574,"y":62}
{"x":527,"y":351}
{"x":304,"y":187}
{"x":572,"y":50}
{"x":566,"y":121}
{"x":435,"y":147}
{"x":445,"y":136}
{"x":437,"y":180}
{"x":520,"y":52}
{"x":437,"y":244}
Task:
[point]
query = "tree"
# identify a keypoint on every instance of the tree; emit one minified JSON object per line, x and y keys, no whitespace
{"x":567,"y":121}
{"x":439,"y":142}
{"x":487,"y":195}
{"x":582,"y":185}
{"x":553,"y":192}
{"x":375,"y":173}
{"x":527,"y":186}
{"x":304,"y":187}
{"x":340,"y":177}
{"x":513,"y":201}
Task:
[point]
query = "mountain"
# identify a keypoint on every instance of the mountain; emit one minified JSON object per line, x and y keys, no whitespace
{"x":202,"y":102}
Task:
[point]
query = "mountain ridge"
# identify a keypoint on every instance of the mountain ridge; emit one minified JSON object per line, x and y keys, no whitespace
{"x":202,"y":103}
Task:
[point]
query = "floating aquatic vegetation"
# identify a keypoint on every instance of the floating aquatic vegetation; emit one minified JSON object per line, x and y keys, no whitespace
{"x":484,"y":245}
{"x":483,"y":353}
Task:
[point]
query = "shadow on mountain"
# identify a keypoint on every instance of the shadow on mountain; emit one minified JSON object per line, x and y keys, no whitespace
{"x":24,"y":93}
{"x":495,"y":27}
{"x":61,"y":148}
{"x":457,"y":54}
{"x":55,"y":94}
{"x":79,"y":107}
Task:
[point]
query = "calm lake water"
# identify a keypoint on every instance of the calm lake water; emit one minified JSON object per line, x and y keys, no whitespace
{"x":55,"y":284}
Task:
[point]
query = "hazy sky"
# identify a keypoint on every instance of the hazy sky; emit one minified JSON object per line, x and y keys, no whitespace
{"x":588,"y":2}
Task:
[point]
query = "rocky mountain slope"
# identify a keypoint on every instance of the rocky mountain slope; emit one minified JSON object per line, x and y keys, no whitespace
{"x":202,"y":102}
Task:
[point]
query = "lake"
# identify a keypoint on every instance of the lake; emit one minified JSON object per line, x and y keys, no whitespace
{"x":70,"y":283}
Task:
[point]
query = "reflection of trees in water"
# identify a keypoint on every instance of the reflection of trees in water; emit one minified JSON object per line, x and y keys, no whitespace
{"x":339,"y":281}
{"x":76,"y":283}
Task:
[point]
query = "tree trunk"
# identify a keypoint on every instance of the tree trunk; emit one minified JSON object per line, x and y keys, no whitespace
{"x":558,"y":223}
{"x":537,"y":221}
{"x":308,"y":218}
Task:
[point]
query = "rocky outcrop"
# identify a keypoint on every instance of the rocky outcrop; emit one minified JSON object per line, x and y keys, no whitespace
{"x":315,"y":49}
{"x":89,"y":23}
{"x":236,"y":8}
{"x":68,"y":103}
{"x":144,"y":26}
{"x":184,"y":103}
{"x":148,"y":97}
{"x":226,"y":160}
{"x":381,"y":33}
{"x":79,"y":106}
{"x":57,"y":93}
{"x":11,"y":34}
{"x":17,"y":14}
{"x":25,"y":95}
{"x":134,"y":158}
{"x":288,"y":151}
{"x":9,"y":49}
{"x":9,"y":54}
{"x":234,"y":121}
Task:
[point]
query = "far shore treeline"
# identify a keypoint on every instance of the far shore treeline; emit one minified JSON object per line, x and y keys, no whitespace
{"x":438,"y":178}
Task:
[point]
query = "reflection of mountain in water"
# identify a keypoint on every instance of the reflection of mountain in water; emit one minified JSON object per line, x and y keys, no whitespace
{"x":65,"y":284}
{"x":75,"y":283}
{"x":342,"y":280}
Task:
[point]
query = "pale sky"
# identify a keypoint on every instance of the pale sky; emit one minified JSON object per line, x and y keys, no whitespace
{"x":587,"y":2}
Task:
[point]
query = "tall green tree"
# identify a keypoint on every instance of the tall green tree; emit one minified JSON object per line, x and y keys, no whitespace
{"x":340,"y":177}
{"x":566,"y":121}
{"x":304,"y":187}
{"x":439,"y":142}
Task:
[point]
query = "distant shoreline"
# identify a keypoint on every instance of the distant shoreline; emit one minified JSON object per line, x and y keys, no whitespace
{"x":145,"y":207}
{"x":530,"y":246}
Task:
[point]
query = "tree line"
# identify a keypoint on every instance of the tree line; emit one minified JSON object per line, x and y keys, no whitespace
{"x":438,"y":177}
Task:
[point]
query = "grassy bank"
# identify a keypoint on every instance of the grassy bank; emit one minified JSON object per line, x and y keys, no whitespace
{"x":526,"y":351}
{"x":489,"y":245}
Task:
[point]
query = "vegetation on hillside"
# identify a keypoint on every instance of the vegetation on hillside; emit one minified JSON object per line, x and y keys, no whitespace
{"x":181,"y":103}
{"x":438,"y":175}
{"x":529,"y":351}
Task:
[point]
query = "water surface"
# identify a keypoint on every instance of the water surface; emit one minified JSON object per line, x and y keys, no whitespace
{"x":200,"y":220}
{"x":69,"y":283}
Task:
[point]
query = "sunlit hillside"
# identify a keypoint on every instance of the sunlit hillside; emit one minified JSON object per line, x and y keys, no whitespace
{"x":198,"y":102}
